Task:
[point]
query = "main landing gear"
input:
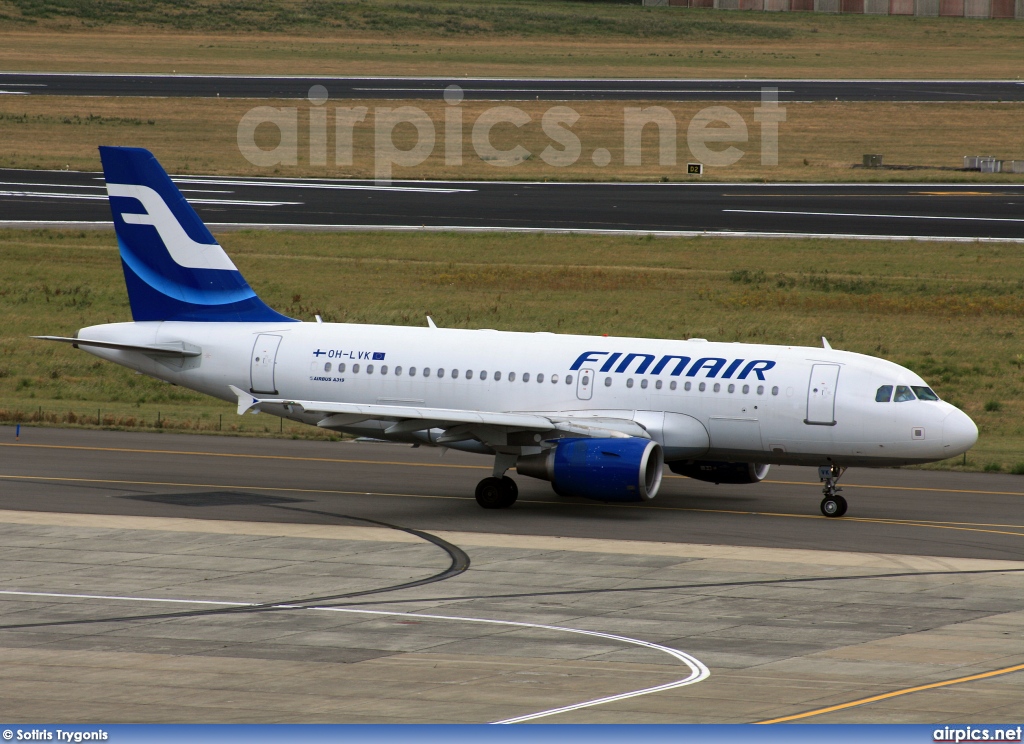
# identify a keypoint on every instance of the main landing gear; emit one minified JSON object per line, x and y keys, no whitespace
{"x":833,"y":505}
{"x":499,"y":491}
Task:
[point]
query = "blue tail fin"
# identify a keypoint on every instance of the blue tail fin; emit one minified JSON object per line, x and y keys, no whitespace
{"x":173,"y":267}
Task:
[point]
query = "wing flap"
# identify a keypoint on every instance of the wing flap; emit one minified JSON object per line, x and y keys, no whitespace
{"x":430,"y":416}
{"x":410,"y":419}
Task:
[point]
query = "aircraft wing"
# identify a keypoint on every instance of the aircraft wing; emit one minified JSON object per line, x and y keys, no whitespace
{"x":458,"y":424}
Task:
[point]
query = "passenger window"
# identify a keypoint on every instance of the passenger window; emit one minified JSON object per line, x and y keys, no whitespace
{"x":369,"y":369}
{"x":526,"y":376}
{"x":327,"y":367}
{"x":672,"y":385}
{"x":732,"y":388}
{"x":511,"y":376}
{"x":426,"y":371}
{"x":884,"y":394}
{"x":554,"y":379}
{"x":760,"y":389}
{"x":398,"y":371}
{"x":924,"y":393}
{"x":607,"y":381}
{"x":629,"y":382}
{"x":497,"y":376}
{"x":717,"y":387}
{"x":775,"y":390}
{"x":483,"y":374}
{"x":455,"y":374}
{"x":355,"y":368}
{"x":568,"y":380}
{"x":746,"y":389}
{"x":341,"y":367}
{"x":686,"y":386}
{"x":412,"y":371}
{"x":643,"y":384}
{"x":440,"y":371}
{"x":657,"y":385}
{"x":469,"y":374}
{"x":702,"y":387}
{"x":903,"y":394}
{"x":540,"y":377}
{"x":384,"y":369}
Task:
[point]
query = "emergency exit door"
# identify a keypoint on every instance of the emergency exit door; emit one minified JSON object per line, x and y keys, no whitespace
{"x":585,"y":384}
{"x":264,"y":359}
{"x":821,"y":395}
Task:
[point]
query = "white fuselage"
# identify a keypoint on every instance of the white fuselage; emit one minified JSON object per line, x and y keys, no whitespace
{"x":808,"y":406}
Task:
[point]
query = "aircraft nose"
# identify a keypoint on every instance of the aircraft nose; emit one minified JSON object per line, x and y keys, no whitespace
{"x":959,"y":433}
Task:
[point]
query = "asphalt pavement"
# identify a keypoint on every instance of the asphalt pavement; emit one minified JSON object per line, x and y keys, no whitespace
{"x":960,"y":211}
{"x":912,"y":512}
{"x":502,"y":89}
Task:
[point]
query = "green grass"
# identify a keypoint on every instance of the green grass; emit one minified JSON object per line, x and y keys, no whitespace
{"x":949,"y":311}
{"x":454,"y":38}
{"x":443,"y":18}
{"x":59,"y":132}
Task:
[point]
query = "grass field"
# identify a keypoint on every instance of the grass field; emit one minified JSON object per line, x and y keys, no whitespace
{"x":949,"y":311}
{"x":200,"y":136}
{"x":493,"y":37}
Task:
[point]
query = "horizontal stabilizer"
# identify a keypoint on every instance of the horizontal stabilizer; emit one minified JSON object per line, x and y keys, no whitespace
{"x":172,"y":349}
{"x":245,"y":400}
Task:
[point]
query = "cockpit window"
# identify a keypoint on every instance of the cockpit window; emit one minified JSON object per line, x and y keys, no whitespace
{"x":903,"y":394}
{"x":884,"y":394}
{"x":924,"y":393}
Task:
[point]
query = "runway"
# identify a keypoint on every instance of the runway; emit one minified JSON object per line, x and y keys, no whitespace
{"x":935,"y":211}
{"x":504,"y":89}
{"x":158,"y":577}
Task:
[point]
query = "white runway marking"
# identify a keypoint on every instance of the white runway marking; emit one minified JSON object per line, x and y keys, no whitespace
{"x":638,"y":91}
{"x":532,"y":230}
{"x":52,"y":185}
{"x":338,"y":186}
{"x":888,"y":216}
{"x":698,"y":671}
{"x":103,"y":197}
{"x":53,"y":195}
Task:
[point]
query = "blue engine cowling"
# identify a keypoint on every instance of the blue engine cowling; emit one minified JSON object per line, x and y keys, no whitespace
{"x":721,"y":472}
{"x":626,"y":469}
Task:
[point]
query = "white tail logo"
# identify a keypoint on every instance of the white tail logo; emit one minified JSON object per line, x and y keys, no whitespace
{"x":184,"y":251}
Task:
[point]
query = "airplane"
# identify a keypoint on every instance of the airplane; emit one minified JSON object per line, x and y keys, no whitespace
{"x":598,"y":417}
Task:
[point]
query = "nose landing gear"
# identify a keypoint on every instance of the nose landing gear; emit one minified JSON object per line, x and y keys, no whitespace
{"x":833,"y":505}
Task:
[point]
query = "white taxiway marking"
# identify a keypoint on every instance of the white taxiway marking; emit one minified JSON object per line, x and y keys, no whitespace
{"x":888,"y":216}
{"x":698,"y":672}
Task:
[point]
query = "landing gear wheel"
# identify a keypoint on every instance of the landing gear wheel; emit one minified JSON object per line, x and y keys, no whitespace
{"x":512,"y":488}
{"x":833,"y":506}
{"x":496,"y":493}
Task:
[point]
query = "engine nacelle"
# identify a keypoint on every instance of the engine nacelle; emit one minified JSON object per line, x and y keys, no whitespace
{"x":621,"y":469}
{"x":721,"y":472}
